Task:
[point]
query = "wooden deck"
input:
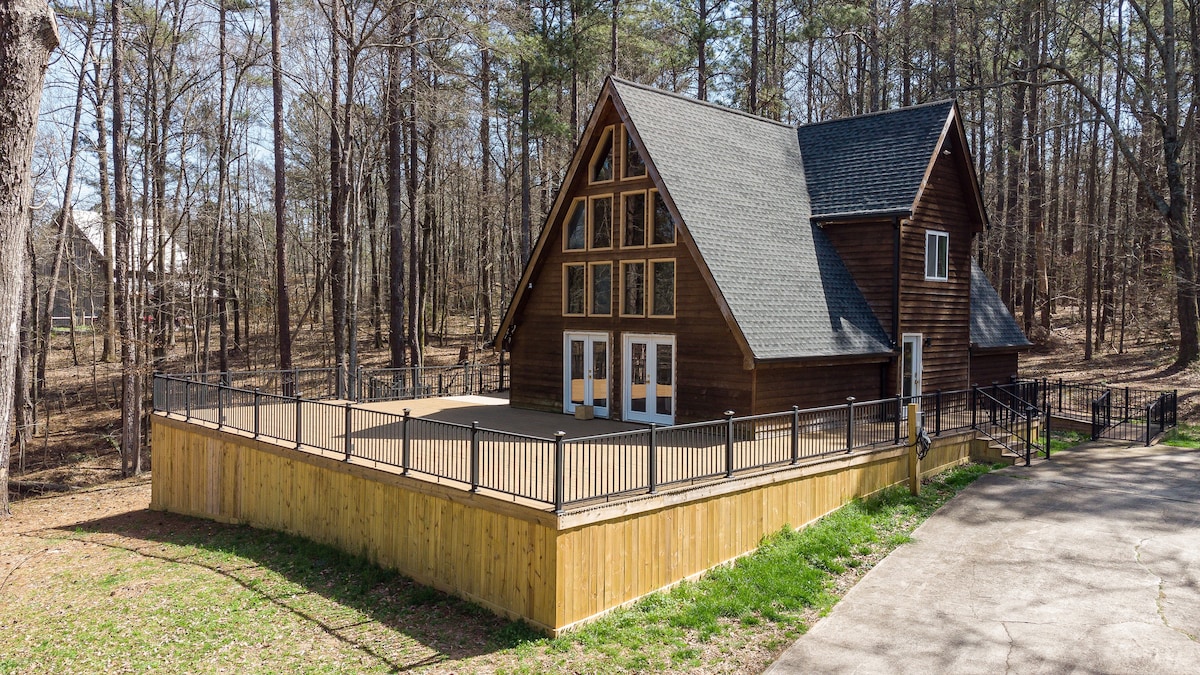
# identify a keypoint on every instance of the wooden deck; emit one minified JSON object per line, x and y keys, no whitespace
{"x":517,"y":463}
{"x":513,"y":556}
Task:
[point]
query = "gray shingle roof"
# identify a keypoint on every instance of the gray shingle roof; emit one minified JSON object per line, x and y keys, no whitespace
{"x":870,"y":163}
{"x":738,"y":182}
{"x":991,"y":324}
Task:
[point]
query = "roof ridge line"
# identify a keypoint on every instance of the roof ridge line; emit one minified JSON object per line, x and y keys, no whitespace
{"x":877,"y":113}
{"x":689,"y":99}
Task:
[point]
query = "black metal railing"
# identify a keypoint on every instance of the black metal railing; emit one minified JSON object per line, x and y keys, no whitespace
{"x":1008,"y":420}
{"x":563,"y":473}
{"x":364,"y":384}
{"x":556,"y":471}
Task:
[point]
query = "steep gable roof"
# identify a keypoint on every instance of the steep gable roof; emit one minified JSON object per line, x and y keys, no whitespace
{"x":738,"y":183}
{"x":871,"y":164}
{"x":991,"y":324}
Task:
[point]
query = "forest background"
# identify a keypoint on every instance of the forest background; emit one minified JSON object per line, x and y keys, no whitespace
{"x":371,"y":174}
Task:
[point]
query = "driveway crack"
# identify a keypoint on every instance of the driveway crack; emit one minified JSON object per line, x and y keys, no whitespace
{"x":1162,"y":594}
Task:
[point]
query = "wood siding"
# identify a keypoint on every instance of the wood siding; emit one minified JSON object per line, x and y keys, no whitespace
{"x":868,"y":251}
{"x":989,"y":367}
{"x":710,"y":377}
{"x":779,"y":387}
{"x":939,"y":310}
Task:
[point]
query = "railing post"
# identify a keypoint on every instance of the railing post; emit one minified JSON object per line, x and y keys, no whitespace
{"x":896,"y":423}
{"x":349,"y":429}
{"x":466,"y":382}
{"x":1047,"y":423}
{"x":850,"y":423}
{"x":558,"y":470}
{"x":795,"y":434}
{"x":1126,"y":415}
{"x":257,"y":413}
{"x":1149,"y":412}
{"x":652,"y":459}
{"x":974,"y":406}
{"x":299,"y":422}
{"x":937,"y":413}
{"x":475,"y":456}
{"x":728,"y":443}
{"x":1029,"y":436}
{"x":1060,"y":388}
{"x":187,"y":400}
{"x":220,"y":405}
{"x":405,"y":444}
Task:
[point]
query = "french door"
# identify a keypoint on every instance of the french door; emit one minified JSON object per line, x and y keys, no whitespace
{"x":649,"y":378}
{"x":585,"y":372}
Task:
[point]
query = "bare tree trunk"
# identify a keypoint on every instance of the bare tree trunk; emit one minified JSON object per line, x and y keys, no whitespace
{"x":395,"y":197}
{"x":616,"y":13}
{"x":110,"y":302}
{"x":65,"y":219}
{"x":131,"y":398}
{"x":485,"y":178}
{"x":415,"y":309}
{"x":526,"y":217}
{"x":27,"y":36}
{"x":283,"y":312}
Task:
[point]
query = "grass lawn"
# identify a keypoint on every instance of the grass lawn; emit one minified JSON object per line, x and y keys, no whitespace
{"x":141,"y":591}
{"x":1184,"y":436}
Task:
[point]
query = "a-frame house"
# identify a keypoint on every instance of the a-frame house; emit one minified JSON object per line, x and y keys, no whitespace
{"x":699,"y":259}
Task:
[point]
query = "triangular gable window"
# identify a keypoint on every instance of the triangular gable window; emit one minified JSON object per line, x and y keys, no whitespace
{"x":602,"y":160}
{"x":634,"y":164}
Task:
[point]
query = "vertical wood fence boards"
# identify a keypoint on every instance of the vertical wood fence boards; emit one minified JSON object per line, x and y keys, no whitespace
{"x":553,"y":570}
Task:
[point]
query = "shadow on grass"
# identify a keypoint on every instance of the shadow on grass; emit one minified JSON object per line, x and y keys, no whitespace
{"x":283,"y":569}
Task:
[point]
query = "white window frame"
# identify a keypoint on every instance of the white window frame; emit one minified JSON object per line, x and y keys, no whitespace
{"x":937,"y":252}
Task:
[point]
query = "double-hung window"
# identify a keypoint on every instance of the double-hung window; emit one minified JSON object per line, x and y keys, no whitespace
{"x":937,"y":255}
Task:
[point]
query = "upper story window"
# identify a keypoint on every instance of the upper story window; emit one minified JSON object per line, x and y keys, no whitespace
{"x":575,"y":238}
{"x":663,"y":233}
{"x":602,"y":160}
{"x":634,"y":223}
{"x":575,"y":290}
{"x":601,"y":284}
{"x":662,"y":284}
{"x":937,"y":255}
{"x":601,"y":226}
{"x":633,"y":165}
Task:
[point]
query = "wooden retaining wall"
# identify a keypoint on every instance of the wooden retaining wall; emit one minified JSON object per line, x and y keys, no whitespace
{"x":555,"y":571}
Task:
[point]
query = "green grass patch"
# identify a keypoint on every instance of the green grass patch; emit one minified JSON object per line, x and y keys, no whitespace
{"x":793,"y":574}
{"x":154,"y":592}
{"x":1063,"y":440}
{"x":1183,"y":436}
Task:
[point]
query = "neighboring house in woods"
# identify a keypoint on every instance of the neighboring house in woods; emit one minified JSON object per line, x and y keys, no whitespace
{"x":700,"y":259}
{"x":80,"y":291}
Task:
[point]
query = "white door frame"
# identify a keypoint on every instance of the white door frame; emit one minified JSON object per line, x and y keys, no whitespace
{"x":651,"y":414}
{"x":589,"y":339}
{"x":911,"y":345}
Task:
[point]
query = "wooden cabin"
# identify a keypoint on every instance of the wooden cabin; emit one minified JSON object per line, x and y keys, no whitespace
{"x":699,"y":259}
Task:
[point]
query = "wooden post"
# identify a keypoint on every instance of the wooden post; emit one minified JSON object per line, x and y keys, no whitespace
{"x":914,"y":463}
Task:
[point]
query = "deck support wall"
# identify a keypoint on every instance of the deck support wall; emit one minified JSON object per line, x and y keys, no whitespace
{"x":554,"y":571}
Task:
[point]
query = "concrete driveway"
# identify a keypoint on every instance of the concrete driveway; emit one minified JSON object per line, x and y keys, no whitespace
{"x":1088,"y":563}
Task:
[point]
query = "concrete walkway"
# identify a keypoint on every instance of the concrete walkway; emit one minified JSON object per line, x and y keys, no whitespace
{"x":1088,"y":563}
